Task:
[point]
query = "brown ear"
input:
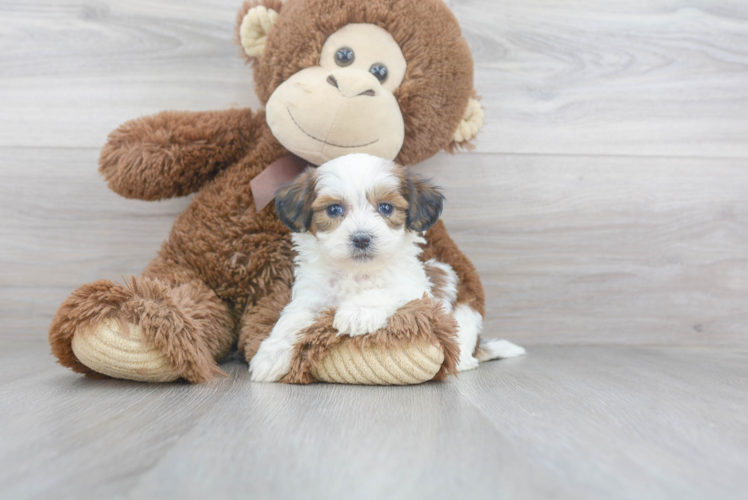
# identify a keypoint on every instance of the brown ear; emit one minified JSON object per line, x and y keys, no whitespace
{"x":469,"y":126}
{"x":253,"y":24}
{"x":425,"y":203}
{"x":293,"y":202}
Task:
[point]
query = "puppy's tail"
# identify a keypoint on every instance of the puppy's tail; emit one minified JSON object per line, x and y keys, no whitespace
{"x":497,"y":349}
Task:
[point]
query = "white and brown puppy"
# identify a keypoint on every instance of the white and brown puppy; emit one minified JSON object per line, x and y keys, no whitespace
{"x":356,"y":223}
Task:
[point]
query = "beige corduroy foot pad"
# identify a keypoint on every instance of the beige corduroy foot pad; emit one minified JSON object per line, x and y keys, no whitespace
{"x":106,"y":349}
{"x":373,"y":365}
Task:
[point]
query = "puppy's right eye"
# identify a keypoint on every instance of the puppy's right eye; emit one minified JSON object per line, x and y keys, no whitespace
{"x":386,"y":209}
{"x":334,"y":211}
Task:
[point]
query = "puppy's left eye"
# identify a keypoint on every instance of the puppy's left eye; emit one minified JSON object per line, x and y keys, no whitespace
{"x":334,"y":211}
{"x":386,"y":209}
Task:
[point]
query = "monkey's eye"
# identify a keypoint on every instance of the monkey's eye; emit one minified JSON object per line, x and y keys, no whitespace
{"x":379,"y":70}
{"x":344,"y":56}
{"x":386,"y":209}
{"x":334,"y":211}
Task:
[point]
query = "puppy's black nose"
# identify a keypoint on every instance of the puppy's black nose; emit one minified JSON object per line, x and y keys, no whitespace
{"x":361,"y":240}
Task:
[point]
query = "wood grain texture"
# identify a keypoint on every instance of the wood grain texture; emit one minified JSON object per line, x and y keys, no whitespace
{"x":83,"y":439}
{"x":70,"y":72}
{"x":647,"y":249}
{"x":593,"y":414}
{"x":633,"y":77}
{"x":605,"y":204}
{"x":565,"y":422}
{"x":620,"y":77}
{"x":604,"y":249}
{"x":570,"y":249}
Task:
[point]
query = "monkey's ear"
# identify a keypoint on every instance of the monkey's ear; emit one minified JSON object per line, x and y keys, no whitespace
{"x":469,"y":127}
{"x":256,"y":22}
{"x":425,"y":203}
{"x":293,"y":202}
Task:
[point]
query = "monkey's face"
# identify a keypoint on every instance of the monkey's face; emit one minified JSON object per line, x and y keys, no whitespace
{"x":391,"y":78}
{"x":346,"y":103}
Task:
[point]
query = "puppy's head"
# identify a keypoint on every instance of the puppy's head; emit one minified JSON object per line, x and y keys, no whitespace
{"x":359,"y":207}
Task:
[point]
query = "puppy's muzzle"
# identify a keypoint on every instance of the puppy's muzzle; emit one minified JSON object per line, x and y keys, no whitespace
{"x":361,"y":240}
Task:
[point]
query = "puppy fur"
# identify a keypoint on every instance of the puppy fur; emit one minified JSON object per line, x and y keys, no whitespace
{"x":357,"y":224}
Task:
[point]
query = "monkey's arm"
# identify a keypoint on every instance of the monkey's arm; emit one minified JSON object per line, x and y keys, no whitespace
{"x":173,"y":153}
{"x":441,"y":247}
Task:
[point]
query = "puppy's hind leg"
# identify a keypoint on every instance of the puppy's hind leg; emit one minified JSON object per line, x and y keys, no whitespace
{"x":469,"y":326}
{"x":473,"y":351}
{"x":489,"y":349}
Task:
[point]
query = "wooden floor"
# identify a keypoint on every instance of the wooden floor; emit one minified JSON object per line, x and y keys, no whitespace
{"x":565,"y":422}
{"x":606,"y":208}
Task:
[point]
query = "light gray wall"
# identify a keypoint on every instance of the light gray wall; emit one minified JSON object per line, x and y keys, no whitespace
{"x":607,"y":201}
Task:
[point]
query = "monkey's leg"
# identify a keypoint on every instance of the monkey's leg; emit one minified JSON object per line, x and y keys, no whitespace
{"x":148,"y":329}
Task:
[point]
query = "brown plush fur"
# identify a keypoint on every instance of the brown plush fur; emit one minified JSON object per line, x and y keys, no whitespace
{"x":175,"y":152}
{"x":226,"y":269}
{"x":422,"y":319}
{"x":187,"y":323}
{"x":439,"y":78}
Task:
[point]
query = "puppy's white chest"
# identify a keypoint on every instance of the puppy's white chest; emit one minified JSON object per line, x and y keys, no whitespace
{"x":344,"y":286}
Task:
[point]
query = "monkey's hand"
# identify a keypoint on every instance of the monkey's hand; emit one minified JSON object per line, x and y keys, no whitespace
{"x":173,"y":153}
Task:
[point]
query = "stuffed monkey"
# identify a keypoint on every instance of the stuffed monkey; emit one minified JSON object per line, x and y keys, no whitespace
{"x":392,"y":78}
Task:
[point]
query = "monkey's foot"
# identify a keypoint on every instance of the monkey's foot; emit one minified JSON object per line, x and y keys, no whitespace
{"x":118,"y":349}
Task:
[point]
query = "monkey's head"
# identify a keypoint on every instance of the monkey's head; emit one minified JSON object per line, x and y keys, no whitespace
{"x":391,"y":78}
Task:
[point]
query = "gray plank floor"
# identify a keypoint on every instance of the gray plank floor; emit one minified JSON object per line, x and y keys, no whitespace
{"x":563,"y":422}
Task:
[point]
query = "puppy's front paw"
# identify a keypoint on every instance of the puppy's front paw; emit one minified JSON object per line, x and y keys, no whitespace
{"x":272,"y":361}
{"x":356,"y":320}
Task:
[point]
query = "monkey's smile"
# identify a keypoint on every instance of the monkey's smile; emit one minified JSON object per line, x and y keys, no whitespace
{"x":325,"y":142}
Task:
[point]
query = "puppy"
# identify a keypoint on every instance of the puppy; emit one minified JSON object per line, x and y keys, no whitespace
{"x":356,"y":223}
